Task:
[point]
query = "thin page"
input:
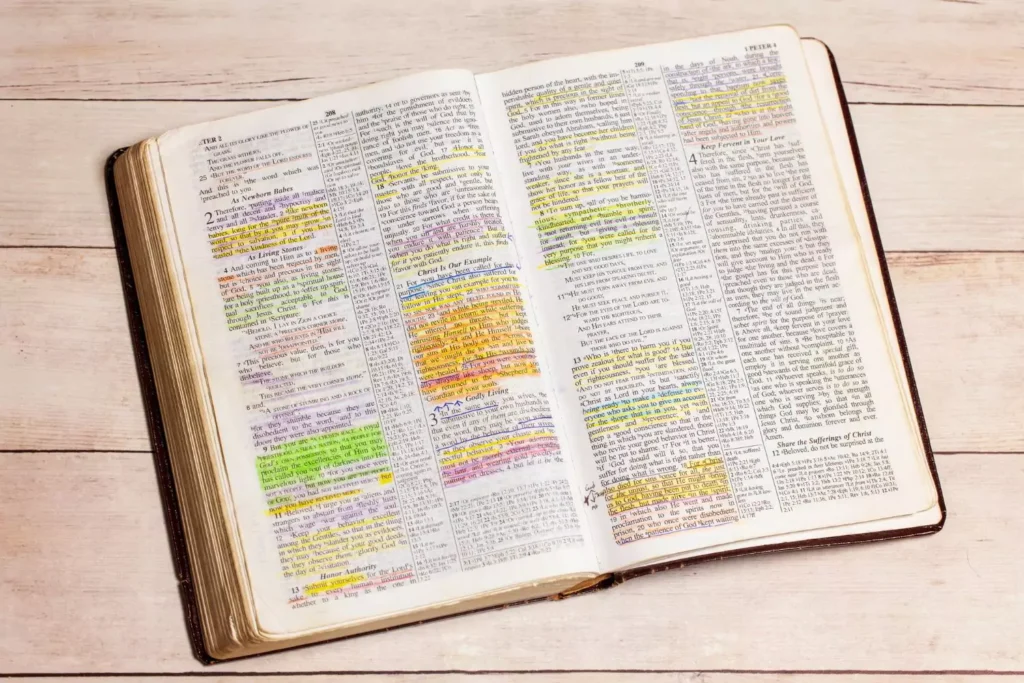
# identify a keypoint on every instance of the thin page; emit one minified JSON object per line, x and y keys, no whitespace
{"x":720,"y":358}
{"x":387,"y":431}
{"x":820,"y":69}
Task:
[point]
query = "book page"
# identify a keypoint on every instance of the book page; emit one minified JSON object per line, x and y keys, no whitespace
{"x":831,"y":109}
{"x":387,"y":430}
{"x":718,"y":348}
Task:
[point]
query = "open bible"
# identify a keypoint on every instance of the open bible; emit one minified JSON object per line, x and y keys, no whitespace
{"x":455,"y":341}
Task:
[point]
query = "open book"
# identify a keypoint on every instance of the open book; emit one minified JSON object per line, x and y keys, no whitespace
{"x":454,"y":341}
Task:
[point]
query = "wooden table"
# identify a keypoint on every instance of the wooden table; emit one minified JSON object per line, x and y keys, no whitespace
{"x":86,"y":584}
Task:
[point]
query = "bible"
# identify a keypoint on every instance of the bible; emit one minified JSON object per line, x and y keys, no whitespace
{"x":455,"y":341}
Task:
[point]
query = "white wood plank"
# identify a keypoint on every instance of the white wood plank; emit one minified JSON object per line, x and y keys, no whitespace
{"x":70,"y":379}
{"x":913,"y":50}
{"x":942,"y":178}
{"x":585,"y":677}
{"x":86,"y":555}
{"x":85,"y":579}
{"x":963,"y":316}
{"x":52,"y":189}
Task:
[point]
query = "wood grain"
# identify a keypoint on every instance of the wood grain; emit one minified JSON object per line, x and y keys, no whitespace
{"x":69,"y":377}
{"x":71,"y":381}
{"x":86,"y":583}
{"x":911,"y":51}
{"x":53,"y":193}
{"x":585,"y":677}
{"x":85,"y":549}
{"x":942,"y":178}
{"x":963,"y":316}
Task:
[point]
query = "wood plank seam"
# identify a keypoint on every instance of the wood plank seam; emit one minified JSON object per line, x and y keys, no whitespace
{"x":902,"y":252}
{"x":85,"y":451}
{"x":913,"y":50}
{"x":278,"y":100}
{"x":521,"y":672}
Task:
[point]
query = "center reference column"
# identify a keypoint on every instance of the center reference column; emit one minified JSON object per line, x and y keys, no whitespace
{"x":382,"y":332}
{"x":701,"y":291}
